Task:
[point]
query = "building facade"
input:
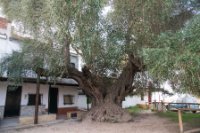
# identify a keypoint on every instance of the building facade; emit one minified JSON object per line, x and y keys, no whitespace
{"x":55,"y":97}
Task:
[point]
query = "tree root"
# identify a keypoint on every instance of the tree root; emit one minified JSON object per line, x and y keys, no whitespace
{"x":108,"y":112}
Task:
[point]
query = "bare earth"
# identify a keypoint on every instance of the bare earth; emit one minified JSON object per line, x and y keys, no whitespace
{"x":146,"y":123}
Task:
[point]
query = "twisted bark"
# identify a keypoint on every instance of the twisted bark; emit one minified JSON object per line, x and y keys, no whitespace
{"x":107,"y":101}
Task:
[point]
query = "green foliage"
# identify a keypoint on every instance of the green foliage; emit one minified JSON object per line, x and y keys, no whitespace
{"x":104,"y":42}
{"x":144,"y":28}
{"x":186,"y":116}
{"x":7,"y":65}
{"x":134,"y":109}
{"x":140,"y":21}
{"x":192,"y":120}
{"x":17,"y":64}
{"x":176,"y":57}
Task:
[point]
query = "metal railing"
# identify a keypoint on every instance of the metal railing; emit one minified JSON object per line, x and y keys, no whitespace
{"x":184,"y":106}
{"x":163,"y":106}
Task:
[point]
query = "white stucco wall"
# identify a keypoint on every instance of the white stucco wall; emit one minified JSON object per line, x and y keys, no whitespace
{"x":158,"y":97}
{"x":82,"y":102}
{"x":30,"y":88}
{"x":133,"y":100}
{"x":7,"y":46}
{"x":74,"y":59}
{"x":78,"y":100}
{"x":80,"y":63}
{"x":3,"y":90}
{"x":67,"y":90}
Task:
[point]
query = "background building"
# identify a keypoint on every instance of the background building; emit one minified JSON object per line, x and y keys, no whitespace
{"x":58,"y":98}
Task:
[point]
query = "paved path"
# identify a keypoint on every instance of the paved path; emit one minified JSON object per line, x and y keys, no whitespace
{"x":145,"y":123}
{"x":9,"y":122}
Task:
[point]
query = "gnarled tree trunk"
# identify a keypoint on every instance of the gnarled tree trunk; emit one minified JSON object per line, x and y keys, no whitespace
{"x":107,"y":100}
{"x":108,"y":112}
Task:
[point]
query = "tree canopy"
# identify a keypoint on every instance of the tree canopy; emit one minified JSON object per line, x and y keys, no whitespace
{"x":178,"y":57}
{"x":102,"y":40}
{"x":158,"y":36}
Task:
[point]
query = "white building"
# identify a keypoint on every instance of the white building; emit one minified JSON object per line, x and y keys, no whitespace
{"x":56,"y":98}
{"x":134,"y":100}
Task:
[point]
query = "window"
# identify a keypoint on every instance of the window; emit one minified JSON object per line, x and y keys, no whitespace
{"x":31,"y":99}
{"x":68,"y":99}
{"x":72,"y":65}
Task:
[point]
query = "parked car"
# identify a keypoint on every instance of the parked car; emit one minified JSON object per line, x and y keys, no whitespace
{"x":177,"y":105}
{"x":187,"y":106}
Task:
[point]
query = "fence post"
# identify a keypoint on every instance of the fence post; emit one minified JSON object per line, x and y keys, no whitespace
{"x":180,"y":121}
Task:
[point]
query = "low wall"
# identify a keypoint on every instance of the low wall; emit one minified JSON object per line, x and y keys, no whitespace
{"x":63,"y":111}
{"x":30,"y":110}
{"x":42,"y":118}
{"x":1,"y":112}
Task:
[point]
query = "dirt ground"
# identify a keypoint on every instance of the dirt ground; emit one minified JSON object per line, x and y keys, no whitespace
{"x":145,"y":123}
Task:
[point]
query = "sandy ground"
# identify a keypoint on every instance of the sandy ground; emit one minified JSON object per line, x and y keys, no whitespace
{"x":146,"y":123}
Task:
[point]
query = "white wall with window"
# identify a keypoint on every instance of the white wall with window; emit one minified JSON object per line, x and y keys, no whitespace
{"x":67,"y":94}
{"x":30,"y":89}
{"x":70,"y":94}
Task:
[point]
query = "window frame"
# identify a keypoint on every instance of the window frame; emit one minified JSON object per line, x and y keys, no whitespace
{"x":72,"y":64}
{"x":71,"y":98}
{"x":31,"y":103}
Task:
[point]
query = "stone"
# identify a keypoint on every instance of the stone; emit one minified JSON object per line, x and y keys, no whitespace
{"x":30,"y":110}
{"x":41,"y":118}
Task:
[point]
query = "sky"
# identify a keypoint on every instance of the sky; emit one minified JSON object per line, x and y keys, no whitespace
{"x":106,"y":10}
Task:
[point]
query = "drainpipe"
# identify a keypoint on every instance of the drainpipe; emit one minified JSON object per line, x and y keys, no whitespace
{"x":37,"y":99}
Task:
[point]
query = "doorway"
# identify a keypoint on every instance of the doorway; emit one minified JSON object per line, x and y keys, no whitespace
{"x":53,"y":100}
{"x":13,"y":100}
